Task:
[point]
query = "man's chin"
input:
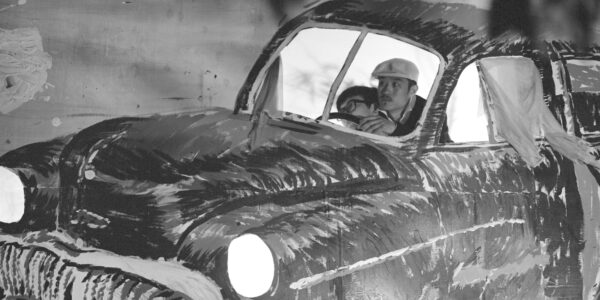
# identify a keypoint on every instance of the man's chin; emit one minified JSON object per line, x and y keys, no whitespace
{"x":385,"y":105}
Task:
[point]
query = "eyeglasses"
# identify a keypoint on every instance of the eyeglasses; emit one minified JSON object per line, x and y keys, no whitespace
{"x":350,"y":105}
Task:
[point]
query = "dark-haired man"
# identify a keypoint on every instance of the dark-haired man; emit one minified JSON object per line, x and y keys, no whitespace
{"x":360,"y":101}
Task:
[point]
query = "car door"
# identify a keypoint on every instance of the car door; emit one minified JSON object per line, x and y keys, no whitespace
{"x":479,"y":178}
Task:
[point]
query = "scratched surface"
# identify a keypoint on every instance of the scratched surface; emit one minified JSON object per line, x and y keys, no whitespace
{"x":322,"y":202}
{"x":346,"y":216}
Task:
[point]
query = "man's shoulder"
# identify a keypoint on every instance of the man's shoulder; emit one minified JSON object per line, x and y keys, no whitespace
{"x":419,"y":104}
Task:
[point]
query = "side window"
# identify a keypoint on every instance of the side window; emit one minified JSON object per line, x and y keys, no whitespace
{"x":466,"y":117}
{"x":494,"y":95}
{"x":584,"y":84}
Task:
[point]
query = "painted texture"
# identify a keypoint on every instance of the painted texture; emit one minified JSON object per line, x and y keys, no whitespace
{"x":478,"y":221}
{"x":50,"y":266}
{"x":311,"y":201}
{"x":37,"y":166}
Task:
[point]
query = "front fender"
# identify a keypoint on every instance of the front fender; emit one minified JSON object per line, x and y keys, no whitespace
{"x":440,"y":238}
{"x":37,"y":165}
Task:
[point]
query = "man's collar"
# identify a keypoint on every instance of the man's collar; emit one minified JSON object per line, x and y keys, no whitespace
{"x":405,"y":114}
{"x":407,"y":110}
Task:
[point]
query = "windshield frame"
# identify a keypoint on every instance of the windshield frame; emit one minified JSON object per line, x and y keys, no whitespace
{"x":249,"y":92}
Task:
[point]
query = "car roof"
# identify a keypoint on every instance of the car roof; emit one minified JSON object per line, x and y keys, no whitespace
{"x":441,"y":26}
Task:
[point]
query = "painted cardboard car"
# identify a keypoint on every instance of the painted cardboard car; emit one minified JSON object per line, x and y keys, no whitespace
{"x":490,"y":197}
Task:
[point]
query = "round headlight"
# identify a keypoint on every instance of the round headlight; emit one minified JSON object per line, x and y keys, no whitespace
{"x":12,"y":197}
{"x":250,"y":266}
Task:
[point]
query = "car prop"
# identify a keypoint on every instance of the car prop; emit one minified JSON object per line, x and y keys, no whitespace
{"x":493,"y":195}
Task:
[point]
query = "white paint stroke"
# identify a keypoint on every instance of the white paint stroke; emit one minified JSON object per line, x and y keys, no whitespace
{"x":481,"y":4}
{"x":7,"y":7}
{"x":476,"y":273}
{"x":371,"y":262}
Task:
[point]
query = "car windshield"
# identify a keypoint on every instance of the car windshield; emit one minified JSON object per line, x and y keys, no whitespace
{"x":313,"y":60}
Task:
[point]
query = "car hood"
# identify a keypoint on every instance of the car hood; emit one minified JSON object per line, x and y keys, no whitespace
{"x":171,"y":173}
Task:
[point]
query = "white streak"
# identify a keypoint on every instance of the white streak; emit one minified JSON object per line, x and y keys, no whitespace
{"x":371,"y":262}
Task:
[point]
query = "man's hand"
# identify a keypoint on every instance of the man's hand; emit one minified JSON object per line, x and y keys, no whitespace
{"x":377,"y":125}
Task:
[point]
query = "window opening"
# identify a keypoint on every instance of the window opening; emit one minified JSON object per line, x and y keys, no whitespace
{"x":310,"y":64}
{"x":466,"y":113}
{"x":342,"y":74}
{"x":378,"y":48}
{"x":584,"y":77}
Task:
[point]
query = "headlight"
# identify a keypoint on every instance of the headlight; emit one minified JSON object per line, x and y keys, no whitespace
{"x":250,"y":266}
{"x":12,"y":197}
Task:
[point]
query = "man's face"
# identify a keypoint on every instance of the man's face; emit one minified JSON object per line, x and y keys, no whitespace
{"x":356,"y":105}
{"x":394,"y":93}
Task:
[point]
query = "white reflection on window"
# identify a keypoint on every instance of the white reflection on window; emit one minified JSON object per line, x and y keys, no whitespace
{"x":467,"y":121}
{"x":310,"y":64}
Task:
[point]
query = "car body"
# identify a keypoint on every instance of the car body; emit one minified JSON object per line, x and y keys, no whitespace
{"x":345,"y":214}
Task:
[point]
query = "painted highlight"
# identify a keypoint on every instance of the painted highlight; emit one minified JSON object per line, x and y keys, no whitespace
{"x":250,"y":266}
{"x":371,"y":262}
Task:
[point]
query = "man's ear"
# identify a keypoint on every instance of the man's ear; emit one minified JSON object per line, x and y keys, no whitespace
{"x":413,"y":89}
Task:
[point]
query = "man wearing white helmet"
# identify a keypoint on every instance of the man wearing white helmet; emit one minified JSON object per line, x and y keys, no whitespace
{"x":400,"y":107}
